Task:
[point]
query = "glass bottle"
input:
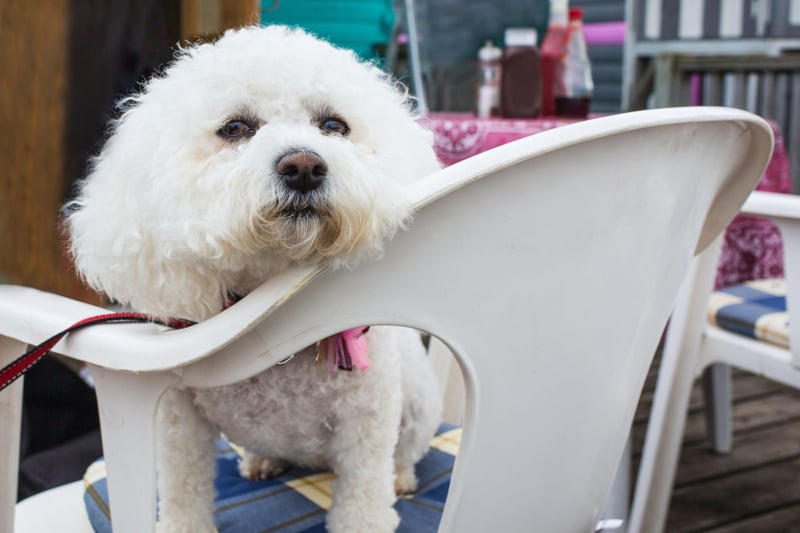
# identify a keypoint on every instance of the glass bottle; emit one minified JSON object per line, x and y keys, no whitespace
{"x":554,"y":48}
{"x":574,"y":86}
{"x":521,"y":85}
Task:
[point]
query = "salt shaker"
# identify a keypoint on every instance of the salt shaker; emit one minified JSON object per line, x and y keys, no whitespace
{"x":488,"y":98}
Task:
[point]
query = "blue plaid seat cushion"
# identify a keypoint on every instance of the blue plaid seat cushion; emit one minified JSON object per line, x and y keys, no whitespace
{"x":755,"y":309}
{"x":298,"y":500}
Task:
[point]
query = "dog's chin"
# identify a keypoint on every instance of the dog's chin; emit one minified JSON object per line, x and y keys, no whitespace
{"x":300,"y":212}
{"x":314,"y":230}
{"x":298,"y":231}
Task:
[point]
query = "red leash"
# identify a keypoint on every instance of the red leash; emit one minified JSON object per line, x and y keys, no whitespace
{"x":14,"y":370}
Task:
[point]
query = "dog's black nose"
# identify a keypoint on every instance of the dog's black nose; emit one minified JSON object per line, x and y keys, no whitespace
{"x":302,"y":171}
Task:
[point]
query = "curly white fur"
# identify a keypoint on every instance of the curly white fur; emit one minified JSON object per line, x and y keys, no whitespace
{"x":171,"y":213}
{"x":175,"y":216}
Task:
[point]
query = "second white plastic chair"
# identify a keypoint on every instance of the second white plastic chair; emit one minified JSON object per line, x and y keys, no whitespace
{"x":695,"y":343}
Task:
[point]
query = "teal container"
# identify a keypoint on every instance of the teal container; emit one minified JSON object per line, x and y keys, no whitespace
{"x":360,"y":25}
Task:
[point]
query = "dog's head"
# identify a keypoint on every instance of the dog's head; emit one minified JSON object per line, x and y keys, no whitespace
{"x":265,"y":148}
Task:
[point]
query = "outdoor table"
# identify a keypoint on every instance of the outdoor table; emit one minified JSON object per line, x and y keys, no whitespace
{"x":752,"y":248}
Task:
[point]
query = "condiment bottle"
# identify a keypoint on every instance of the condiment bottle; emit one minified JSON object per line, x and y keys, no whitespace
{"x":574,"y":86}
{"x":521,"y":85}
{"x":488,"y":98}
{"x":554,"y":49}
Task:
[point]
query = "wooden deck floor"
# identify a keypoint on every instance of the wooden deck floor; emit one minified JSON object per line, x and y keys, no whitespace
{"x":755,"y":488}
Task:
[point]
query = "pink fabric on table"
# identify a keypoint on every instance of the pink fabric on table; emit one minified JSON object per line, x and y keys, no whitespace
{"x":752,"y":248}
{"x":458,"y":136}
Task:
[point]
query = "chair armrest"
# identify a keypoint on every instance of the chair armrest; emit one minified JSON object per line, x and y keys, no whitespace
{"x":32,"y":316}
{"x":772,"y":205}
{"x":784,"y":211}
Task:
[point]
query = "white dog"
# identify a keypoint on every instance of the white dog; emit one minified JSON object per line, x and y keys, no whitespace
{"x":262,"y":150}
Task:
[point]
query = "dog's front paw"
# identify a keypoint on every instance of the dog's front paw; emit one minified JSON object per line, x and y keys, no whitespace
{"x":255,"y":467}
{"x":362,"y":519}
{"x":405,"y":482}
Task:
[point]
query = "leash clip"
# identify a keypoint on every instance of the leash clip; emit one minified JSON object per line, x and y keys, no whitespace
{"x":284,"y":361}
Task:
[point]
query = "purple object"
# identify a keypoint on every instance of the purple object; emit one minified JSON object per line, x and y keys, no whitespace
{"x":604,"y":33}
{"x":696,"y":89}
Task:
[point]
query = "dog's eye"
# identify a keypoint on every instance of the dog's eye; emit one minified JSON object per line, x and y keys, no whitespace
{"x":334,"y":125}
{"x":236,"y":129}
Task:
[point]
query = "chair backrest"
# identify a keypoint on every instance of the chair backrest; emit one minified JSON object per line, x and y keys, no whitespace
{"x":548,"y":266}
{"x":551,"y":279}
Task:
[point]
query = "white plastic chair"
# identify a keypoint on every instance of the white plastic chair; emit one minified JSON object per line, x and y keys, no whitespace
{"x":693,"y":344}
{"x":549,"y":267}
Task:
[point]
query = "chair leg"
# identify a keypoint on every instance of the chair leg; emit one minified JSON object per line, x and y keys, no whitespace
{"x":717,"y":395}
{"x":618,"y":504}
{"x":679,"y":364}
{"x":127,"y":404}
{"x":662,"y":445}
{"x":11,"y":415}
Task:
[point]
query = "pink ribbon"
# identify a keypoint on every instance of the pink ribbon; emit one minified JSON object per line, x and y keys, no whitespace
{"x":345,"y":350}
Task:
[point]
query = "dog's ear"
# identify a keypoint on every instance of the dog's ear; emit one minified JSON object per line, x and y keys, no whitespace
{"x":118,"y":258}
{"x":118,"y":238}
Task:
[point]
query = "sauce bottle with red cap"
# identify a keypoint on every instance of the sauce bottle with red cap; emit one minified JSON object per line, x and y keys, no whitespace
{"x":554,"y":49}
{"x":573,"y":87}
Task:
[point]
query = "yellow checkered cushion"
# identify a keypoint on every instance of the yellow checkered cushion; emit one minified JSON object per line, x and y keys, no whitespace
{"x":755,"y":309}
{"x":296,"y":502}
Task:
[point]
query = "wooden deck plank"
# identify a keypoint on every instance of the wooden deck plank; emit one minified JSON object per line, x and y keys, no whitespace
{"x":755,"y":488}
{"x":724,"y":501}
{"x":784,"y":520}
{"x":765,"y":411}
{"x":762,"y":411}
{"x":745,"y":387}
{"x":750,"y":451}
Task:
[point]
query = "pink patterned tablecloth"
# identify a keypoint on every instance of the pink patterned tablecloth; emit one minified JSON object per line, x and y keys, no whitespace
{"x":752,"y":248}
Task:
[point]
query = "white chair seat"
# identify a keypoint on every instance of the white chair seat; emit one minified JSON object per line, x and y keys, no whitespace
{"x":58,"y":510}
